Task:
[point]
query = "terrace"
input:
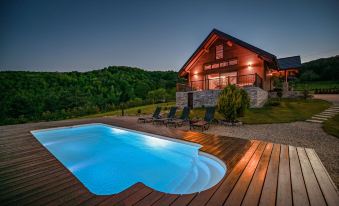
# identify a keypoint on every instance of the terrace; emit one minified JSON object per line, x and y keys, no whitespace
{"x":216,"y":82}
{"x":258,"y":172}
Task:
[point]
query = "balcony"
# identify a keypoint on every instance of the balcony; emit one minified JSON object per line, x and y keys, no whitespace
{"x":221,"y":83}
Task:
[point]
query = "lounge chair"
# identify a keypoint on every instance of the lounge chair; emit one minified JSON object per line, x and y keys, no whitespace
{"x":156,"y":115}
{"x":170,"y":116}
{"x":204,"y":124}
{"x":183,"y":118}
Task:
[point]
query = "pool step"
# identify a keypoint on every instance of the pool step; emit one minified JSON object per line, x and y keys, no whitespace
{"x":189,"y":179}
{"x":196,"y":180}
{"x":203,"y":178}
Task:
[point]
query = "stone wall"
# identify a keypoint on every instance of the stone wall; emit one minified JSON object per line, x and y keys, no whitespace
{"x":258,"y":97}
{"x":181,"y":99}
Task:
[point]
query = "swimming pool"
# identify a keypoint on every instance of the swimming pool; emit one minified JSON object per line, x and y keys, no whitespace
{"x":108,"y":160}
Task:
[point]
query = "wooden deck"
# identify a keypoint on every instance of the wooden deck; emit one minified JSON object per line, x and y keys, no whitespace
{"x":259,"y":173}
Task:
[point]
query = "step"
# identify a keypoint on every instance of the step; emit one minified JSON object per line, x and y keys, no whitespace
{"x":323,"y":116}
{"x":314,"y":121}
{"x":202,"y":180}
{"x":326,"y":114}
{"x":319,"y":118}
{"x":187,"y":182}
{"x":331,"y":110}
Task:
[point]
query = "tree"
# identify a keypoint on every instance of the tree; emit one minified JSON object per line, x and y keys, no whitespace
{"x":232,"y":102}
{"x":158,"y":95}
{"x":309,"y":75}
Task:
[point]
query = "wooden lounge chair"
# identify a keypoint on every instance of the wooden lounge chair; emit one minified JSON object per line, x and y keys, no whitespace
{"x":204,"y":124}
{"x":183,"y":118}
{"x":170,"y":116}
{"x":156,"y":115}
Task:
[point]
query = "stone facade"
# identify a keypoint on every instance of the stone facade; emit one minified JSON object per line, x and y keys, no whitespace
{"x":258,"y":97}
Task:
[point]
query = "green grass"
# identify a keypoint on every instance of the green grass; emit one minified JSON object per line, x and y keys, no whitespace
{"x":331,"y":126}
{"x":146,"y":109}
{"x":317,"y":85}
{"x":289,"y":110}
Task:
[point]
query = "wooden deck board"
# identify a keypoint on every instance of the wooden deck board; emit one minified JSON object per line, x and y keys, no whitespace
{"x":252,"y":195}
{"x":258,"y":173}
{"x":313,"y":189}
{"x":328,"y":188}
{"x":299,"y":193}
{"x":269,"y":191}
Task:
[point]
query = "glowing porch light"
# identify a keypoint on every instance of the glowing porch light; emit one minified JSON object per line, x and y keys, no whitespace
{"x":249,"y":66}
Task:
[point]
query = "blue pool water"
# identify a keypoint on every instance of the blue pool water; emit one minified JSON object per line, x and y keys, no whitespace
{"x":108,"y":160}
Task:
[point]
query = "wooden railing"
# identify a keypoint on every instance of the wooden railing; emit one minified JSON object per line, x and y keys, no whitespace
{"x":220,"y":83}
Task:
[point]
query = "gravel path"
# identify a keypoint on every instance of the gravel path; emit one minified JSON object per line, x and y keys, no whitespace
{"x":298,"y":134}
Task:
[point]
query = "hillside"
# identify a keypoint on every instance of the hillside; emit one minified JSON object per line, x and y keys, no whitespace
{"x":30,"y":96}
{"x":324,"y":69}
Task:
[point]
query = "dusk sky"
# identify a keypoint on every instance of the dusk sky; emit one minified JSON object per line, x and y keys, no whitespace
{"x":156,"y":35}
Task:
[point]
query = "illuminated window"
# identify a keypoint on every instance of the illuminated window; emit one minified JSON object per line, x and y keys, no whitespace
{"x":233,"y":62}
{"x":223,"y":64}
{"x":219,"y":52}
{"x":214,"y":66}
{"x":207,"y":67}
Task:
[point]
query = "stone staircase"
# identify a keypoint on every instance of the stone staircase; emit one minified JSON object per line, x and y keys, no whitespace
{"x":325,"y":115}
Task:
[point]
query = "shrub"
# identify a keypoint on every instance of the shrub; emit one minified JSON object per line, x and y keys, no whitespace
{"x":232,"y":102}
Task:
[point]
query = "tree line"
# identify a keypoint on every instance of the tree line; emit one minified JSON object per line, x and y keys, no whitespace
{"x":324,"y":69}
{"x":31,"y":96}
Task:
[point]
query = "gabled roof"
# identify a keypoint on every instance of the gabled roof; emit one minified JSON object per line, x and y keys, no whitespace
{"x":289,"y":62}
{"x":268,"y":56}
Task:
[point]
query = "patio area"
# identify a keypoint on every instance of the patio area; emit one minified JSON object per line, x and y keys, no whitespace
{"x":258,"y":172}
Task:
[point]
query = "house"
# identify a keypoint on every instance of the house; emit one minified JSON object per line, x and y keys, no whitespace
{"x":221,"y":60}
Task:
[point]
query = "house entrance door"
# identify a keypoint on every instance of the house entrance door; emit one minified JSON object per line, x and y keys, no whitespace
{"x":190,"y":100}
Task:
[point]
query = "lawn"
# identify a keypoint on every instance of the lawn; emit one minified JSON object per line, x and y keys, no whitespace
{"x":331,"y":126}
{"x":289,"y":110}
{"x":146,"y":109}
{"x":317,"y":85}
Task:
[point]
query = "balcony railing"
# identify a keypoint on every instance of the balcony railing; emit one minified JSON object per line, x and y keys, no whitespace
{"x":222,"y":82}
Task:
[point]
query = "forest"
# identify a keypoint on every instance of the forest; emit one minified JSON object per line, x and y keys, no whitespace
{"x":324,"y":69}
{"x":32,"y":96}
{"x":35,"y":96}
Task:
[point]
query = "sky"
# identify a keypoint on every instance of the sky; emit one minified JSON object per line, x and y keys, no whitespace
{"x":80,"y":35}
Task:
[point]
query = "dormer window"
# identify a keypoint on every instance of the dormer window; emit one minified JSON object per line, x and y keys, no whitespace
{"x":219,"y":51}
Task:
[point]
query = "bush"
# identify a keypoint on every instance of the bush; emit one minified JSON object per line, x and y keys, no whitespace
{"x":232,"y":102}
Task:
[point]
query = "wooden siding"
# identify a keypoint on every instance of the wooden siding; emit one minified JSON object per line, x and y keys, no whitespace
{"x":243,"y":55}
{"x":259,"y":173}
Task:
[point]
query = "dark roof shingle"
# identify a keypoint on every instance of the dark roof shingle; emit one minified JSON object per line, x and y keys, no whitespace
{"x":289,"y":62}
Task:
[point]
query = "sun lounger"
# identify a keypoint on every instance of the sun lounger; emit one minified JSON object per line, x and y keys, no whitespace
{"x":204,"y":124}
{"x":180,"y":121}
{"x":156,"y":115}
{"x":170,"y":116}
